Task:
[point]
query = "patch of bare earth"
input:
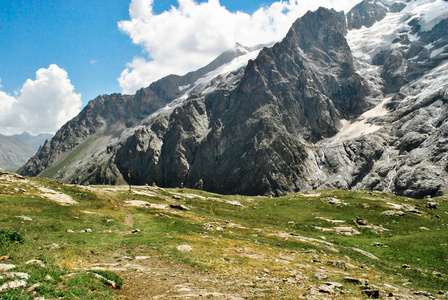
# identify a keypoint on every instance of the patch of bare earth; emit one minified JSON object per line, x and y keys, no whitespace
{"x":152,"y":276}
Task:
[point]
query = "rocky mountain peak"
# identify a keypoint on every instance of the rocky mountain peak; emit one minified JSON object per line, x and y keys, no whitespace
{"x":366,"y":13}
{"x":321,"y":28}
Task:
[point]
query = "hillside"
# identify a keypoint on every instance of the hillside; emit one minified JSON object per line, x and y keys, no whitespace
{"x":14,"y":153}
{"x":78,"y":242}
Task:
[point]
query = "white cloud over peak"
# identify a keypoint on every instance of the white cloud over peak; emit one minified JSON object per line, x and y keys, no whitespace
{"x":43,"y":104}
{"x":189,"y":36}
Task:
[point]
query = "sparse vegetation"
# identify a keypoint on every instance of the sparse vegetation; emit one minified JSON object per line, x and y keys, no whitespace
{"x":253,"y":247}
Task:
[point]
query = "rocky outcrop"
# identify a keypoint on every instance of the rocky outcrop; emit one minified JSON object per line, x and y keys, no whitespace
{"x":366,"y":13}
{"x":251,"y":140}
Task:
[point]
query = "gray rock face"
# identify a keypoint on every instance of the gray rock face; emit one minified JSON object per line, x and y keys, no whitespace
{"x":323,"y":108}
{"x":256,"y":145}
{"x":366,"y":13}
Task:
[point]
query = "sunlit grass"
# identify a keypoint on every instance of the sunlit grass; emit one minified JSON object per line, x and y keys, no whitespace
{"x":273,"y":244}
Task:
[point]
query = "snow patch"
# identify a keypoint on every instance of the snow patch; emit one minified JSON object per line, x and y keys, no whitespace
{"x":433,"y":81}
{"x":235,"y":65}
{"x":352,"y":130}
{"x":432,"y":13}
{"x":436,"y":52}
{"x":184,"y":87}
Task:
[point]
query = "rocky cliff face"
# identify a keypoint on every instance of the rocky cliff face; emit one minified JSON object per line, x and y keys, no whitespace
{"x":355,"y":102}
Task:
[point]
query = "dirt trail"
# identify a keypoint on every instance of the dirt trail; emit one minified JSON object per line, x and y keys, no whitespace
{"x":129,"y":219}
{"x":154,"y":277}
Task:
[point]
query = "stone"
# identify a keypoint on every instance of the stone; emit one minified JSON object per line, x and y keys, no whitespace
{"x":338,"y":264}
{"x":333,"y":201}
{"x":199,"y":185}
{"x":415,"y":211}
{"x":432,"y":205}
{"x":184,"y":248}
{"x":405,"y":266}
{"x":400,"y":213}
{"x":6,"y":267}
{"x":142,"y":257}
{"x":21,"y":275}
{"x":35,"y":262}
{"x":33,"y":287}
{"x":389,"y":213}
{"x":423,"y":293}
{"x":372,"y":294}
{"x":334,"y":284}
{"x":179,"y":207}
{"x":361,"y":221}
{"x":24,"y":218}
{"x":49,"y":278}
{"x":325,"y":289}
{"x":107,"y":281}
{"x":53,"y":246}
{"x":13,"y":285}
{"x":321,"y":275}
{"x":5,"y":257}
{"x":358,"y":281}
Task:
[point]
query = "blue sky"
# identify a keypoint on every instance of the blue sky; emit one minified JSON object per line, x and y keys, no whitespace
{"x":94,"y":47}
{"x":80,"y":36}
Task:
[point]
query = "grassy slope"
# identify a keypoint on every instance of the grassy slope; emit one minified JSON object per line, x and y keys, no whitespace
{"x":262,"y":238}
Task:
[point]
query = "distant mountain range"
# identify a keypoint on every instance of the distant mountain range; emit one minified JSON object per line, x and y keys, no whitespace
{"x":351,"y":101}
{"x":17,"y":149}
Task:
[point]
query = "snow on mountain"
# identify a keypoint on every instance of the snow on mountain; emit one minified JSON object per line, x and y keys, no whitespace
{"x":361,"y":126}
{"x":368,"y":42}
{"x":223,"y":71}
{"x":222,"y":75}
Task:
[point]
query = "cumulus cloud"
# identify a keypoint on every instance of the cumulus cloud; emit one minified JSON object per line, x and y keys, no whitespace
{"x":189,"y":36}
{"x":42,"y":105}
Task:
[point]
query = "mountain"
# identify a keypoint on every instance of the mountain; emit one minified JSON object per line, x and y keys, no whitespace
{"x":356,"y":101}
{"x":13,"y":153}
{"x":34,"y":141}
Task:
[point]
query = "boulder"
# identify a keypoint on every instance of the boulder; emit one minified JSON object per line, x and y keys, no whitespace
{"x":432,"y":205}
{"x":184,"y":248}
{"x":6,"y":267}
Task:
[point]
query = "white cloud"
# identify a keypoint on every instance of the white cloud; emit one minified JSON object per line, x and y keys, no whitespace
{"x":187,"y":37}
{"x":43,"y":104}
